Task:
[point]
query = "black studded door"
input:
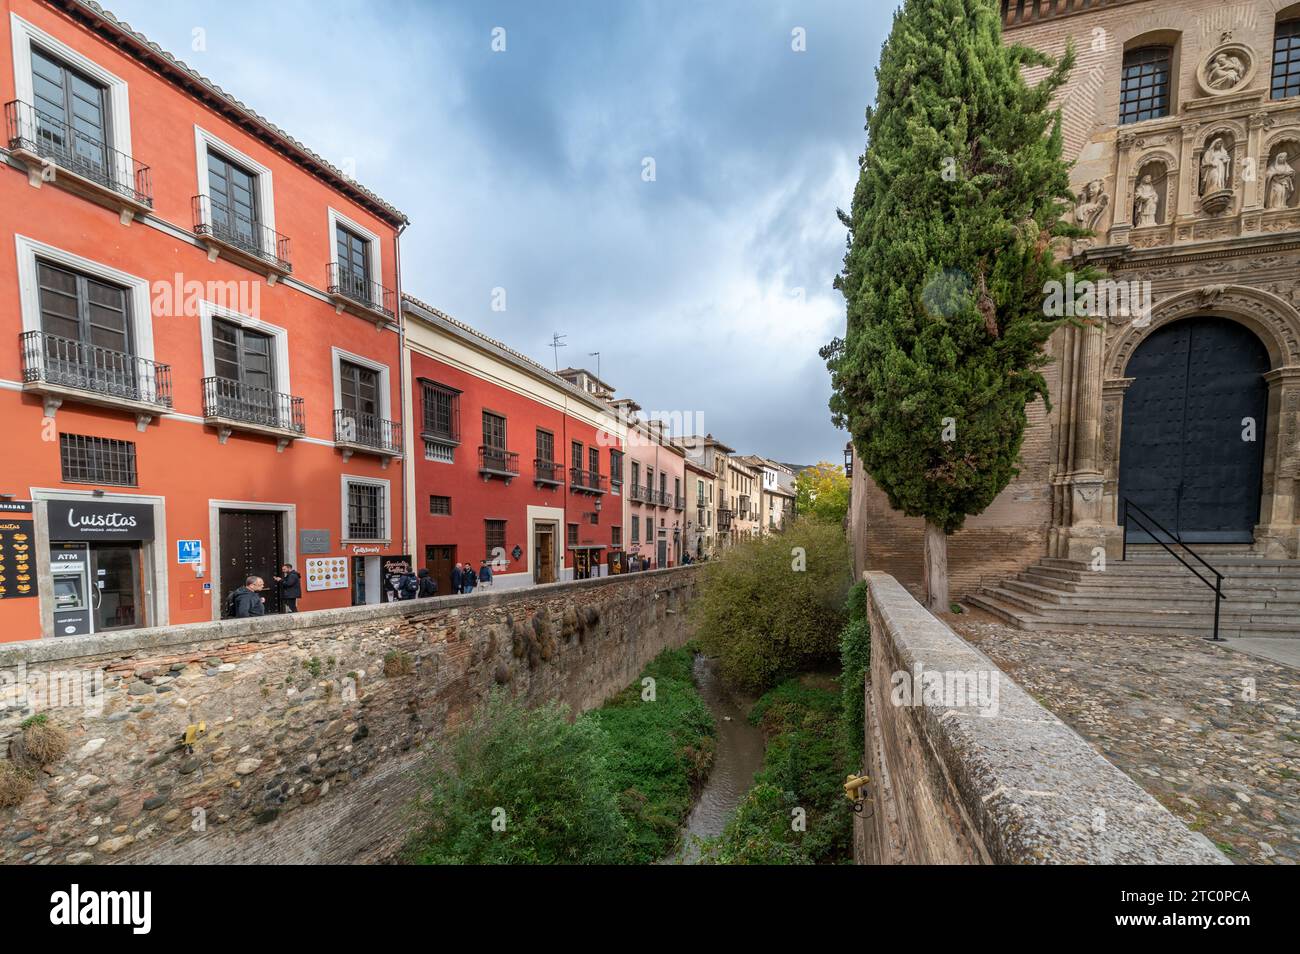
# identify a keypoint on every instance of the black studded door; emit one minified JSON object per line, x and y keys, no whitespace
{"x":250,"y":546}
{"x":1192,"y":451}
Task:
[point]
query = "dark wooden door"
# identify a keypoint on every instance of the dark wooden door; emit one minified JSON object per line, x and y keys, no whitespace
{"x":544,"y":555}
{"x":438,"y":560}
{"x":1185,"y":457}
{"x":251,"y":545}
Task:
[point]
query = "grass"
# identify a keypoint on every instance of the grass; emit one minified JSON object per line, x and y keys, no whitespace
{"x":659,"y":746}
{"x":796,"y":812}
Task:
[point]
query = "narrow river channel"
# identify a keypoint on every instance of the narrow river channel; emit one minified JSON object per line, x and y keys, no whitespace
{"x":738,"y":757}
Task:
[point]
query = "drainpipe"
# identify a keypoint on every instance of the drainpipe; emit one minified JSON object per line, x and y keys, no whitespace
{"x":407,"y":433}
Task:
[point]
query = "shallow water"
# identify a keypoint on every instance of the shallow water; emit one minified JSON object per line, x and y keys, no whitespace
{"x":739,"y":755}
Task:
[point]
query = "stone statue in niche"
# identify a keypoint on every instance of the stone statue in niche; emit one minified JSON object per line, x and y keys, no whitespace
{"x":1146,"y":203}
{"x":1092,"y":202}
{"x":1214,"y":168}
{"x":1225,"y":71}
{"x":1280,"y":181}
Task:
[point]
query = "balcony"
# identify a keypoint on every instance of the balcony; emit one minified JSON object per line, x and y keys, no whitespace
{"x":358,"y":295}
{"x":724,"y":519}
{"x":638,"y":493}
{"x":69,"y":159}
{"x":231,"y":406}
{"x":587,"y":481}
{"x":225,"y":231}
{"x":62,"y":369}
{"x":663,"y":498}
{"x":359,"y":432}
{"x":547,"y":473}
{"x":679,"y":502}
{"x":497,"y":462}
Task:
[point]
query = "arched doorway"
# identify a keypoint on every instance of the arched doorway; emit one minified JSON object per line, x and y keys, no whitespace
{"x":1186,"y":454}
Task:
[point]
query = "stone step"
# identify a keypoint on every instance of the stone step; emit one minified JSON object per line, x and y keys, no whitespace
{"x":1118,"y":613}
{"x":1285,"y":590}
{"x":1185,"y":624}
{"x":1129,"y":597}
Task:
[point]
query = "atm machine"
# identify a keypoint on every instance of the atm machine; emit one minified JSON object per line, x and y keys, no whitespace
{"x":70,"y":572}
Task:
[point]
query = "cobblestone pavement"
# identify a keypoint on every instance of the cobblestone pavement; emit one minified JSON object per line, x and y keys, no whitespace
{"x":1178,"y":715}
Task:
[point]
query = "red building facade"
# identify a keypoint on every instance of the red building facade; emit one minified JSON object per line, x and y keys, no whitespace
{"x":510,"y":465}
{"x":202,"y":375}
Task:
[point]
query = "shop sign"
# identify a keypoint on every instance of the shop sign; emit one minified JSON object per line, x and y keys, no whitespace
{"x":99,"y":520}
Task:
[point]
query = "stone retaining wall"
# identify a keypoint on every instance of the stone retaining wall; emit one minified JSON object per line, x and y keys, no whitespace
{"x":313,"y":721}
{"x":993,"y":778}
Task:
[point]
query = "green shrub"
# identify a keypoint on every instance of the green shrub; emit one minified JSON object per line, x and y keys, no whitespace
{"x":855,"y":658}
{"x":549,"y":776}
{"x":764,"y":619}
{"x":802,"y":769}
{"x":659,"y":753}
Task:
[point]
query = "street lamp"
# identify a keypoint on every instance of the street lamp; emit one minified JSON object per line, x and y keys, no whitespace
{"x":848,"y":459}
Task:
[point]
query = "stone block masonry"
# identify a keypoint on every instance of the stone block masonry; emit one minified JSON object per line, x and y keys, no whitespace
{"x":314,"y":722}
{"x":991,"y":777}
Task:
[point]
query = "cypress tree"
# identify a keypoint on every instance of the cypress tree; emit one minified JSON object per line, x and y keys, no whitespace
{"x":951,"y":241}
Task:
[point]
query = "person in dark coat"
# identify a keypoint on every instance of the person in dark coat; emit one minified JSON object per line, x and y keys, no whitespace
{"x":485,"y":573}
{"x":290,"y":584}
{"x":469,"y":579}
{"x":428,"y":585}
{"x":248,"y":599}
{"x":457,"y":579}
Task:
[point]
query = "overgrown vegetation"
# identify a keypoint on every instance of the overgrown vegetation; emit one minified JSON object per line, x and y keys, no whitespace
{"x":855,"y":660}
{"x":526,"y":786}
{"x":796,"y":813}
{"x":520,"y":786}
{"x":659,"y":753}
{"x":771,"y":607}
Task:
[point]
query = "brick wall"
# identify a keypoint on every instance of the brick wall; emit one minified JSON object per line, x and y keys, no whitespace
{"x":310,"y":746}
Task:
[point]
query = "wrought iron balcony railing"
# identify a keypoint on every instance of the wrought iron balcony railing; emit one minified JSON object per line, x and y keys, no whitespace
{"x":367,"y":430}
{"x":679,"y":502}
{"x":588,"y":481}
{"x":236,"y":231}
{"x":724,"y":519}
{"x":356,"y":288}
{"x":34,"y":133}
{"x":548,"y":471}
{"x":497,"y":461}
{"x":62,"y":362}
{"x":233,"y":402}
{"x":638,"y":493}
{"x":663,"y":498}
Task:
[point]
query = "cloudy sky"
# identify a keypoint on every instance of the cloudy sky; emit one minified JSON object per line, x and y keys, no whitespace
{"x":707,"y":288}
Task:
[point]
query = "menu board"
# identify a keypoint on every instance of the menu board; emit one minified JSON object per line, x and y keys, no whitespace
{"x":17,"y":568}
{"x":327,"y":573}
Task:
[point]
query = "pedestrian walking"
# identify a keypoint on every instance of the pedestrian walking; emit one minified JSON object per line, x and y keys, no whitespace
{"x":289,"y":583}
{"x":248,"y":599}
{"x":485,"y":573}
{"x":428,"y":585}
{"x":457,"y":579}
{"x":469,"y":578}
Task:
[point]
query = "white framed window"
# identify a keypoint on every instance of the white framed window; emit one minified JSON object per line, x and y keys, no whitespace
{"x":381,"y":371}
{"x":280,"y":338}
{"x":30,"y":251}
{"x":26,"y":35}
{"x":374,"y":255}
{"x":205,"y":142}
{"x":364,"y":509}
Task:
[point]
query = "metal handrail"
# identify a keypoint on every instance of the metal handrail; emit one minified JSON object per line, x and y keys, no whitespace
{"x":1150,"y":524}
{"x":65,"y":362}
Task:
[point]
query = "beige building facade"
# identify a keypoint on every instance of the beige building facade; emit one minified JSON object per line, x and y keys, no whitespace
{"x":1181,"y":394}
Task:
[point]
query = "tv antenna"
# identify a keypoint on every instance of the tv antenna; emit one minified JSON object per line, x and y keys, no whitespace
{"x":557,"y":342}
{"x":596,"y":355}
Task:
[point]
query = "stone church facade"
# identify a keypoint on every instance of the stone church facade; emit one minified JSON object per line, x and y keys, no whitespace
{"x":1182,"y":118}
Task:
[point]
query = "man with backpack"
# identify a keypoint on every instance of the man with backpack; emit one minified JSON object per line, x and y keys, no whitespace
{"x":428,"y":586}
{"x":247,"y":600}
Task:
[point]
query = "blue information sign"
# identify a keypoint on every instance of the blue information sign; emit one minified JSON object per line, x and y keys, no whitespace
{"x":189,"y":551}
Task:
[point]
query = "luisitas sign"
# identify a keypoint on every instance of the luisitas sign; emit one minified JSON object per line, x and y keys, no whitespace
{"x":95,"y":520}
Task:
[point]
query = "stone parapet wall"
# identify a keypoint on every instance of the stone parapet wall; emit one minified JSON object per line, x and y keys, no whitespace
{"x":314,"y":722}
{"x":996,"y":780}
